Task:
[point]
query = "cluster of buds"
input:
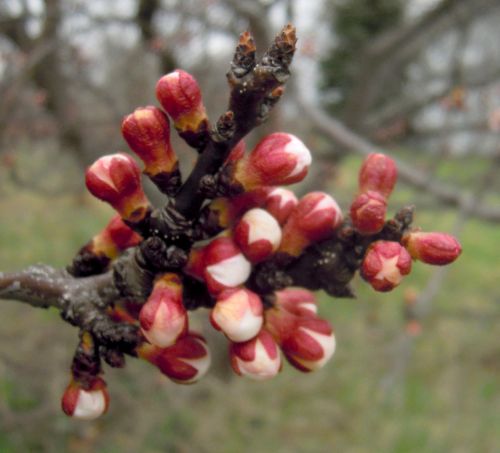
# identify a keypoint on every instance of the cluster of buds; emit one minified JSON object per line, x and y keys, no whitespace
{"x":386,"y":262}
{"x":249,"y":225}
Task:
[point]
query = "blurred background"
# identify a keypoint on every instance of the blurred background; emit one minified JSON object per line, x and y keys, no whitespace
{"x":416,"y":370}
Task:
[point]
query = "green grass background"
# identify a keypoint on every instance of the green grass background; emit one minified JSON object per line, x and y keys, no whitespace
{"x":447,"y":398}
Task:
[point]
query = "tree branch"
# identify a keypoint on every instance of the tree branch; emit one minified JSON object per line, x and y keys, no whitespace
{"x":445,"y":193}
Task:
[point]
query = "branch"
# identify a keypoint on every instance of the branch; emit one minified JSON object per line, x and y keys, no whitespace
{"x":445,"y":193}
{"x":251,"y":99}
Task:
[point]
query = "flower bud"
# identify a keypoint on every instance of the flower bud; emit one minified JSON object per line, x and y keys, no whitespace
{"x":223,"y":212}
{"x":225,"y":265}
{"x":258,"y":358}
{"x":279,"y":159}
{"x":180,"y":95}
{"x":238,"y":313}
{"x":147,"y":132}
{"x":86,"y":402}
{"x":313,"y":219}
{"x":307,"y":342}
{"x":378,"y":173}
{"x":258,"y":234}
{"x":116,"y":237}
{"x":185,"y":362}
{"x":280,"y":203}
{"x":368,"y":212}
{"x":299,"y":301}
{"x":94,"y":257}
{"x":432,"y":248}
{"x":195,"y":265}
{"x":384,"y":265}
{"x":163,"y":317}
{"x":116,"y":179}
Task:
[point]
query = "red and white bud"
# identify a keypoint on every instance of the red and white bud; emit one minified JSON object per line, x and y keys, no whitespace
{"x":258,"y":358}
{"x":258,"y":234}
{"x":116,"y":179}
{"x":432,"y":248}
{"x":238,"y":313}
{"x":299,"y":301}
{"x":384,"y":265}
{"x":315,"y":218}
{"x":308,"y":342}
{"x":368,"y":212}
{"x":225,"y":265}
{"x":163,"y":317}
{"x":280,"y":204}
{"x":378,"y":173}
{"x":85,"y":402}
{"x":185,"y":362}
{"x":147,"y":131}
{"x":279,"y":159}
{"x":179,"y":94}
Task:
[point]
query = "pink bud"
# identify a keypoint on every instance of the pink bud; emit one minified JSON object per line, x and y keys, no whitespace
{"x":432,"y":248}
{"x":85,"y":403}
{"x":195,"y":266}
{"x":307,"y":341}
{"x":279,"y":159}
{"x":121,"y":234}
{"x":378,"y":173}
{"x":223,"y":212}
{"x":185,"y":362}
{"x":180,"y":95}
{"x":116,"y":179}
{"x":258,"y":358}
{"x":384,"y":265}
{"x":280,"y":203}
{"x":225,"y":265}
{"x":368,"y":212}
{"x":113,"y":239}
{"x":147,"y":132}
{"x":299,"y":301}
{"x":238,"y":313}
{"x":258,"y":234}
{"x":237,"y":152}
{"x":163,"y":317}
{"x":315,"y":218}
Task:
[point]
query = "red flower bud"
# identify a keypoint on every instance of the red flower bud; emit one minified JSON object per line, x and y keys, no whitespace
{"x":299,"y":301}
{"x":163,"y":317}
{"x":307,"y":341}
{"x":225,"y":265}
{"x":280,"y":204}
{"x":378,"y":173}
{"x":237,"y":153}
{"x":222,"y":212}
{"x":85,"y":403}
{"x":185,"y":362}
{"x":258,"y":358}
{"x":384,"y":265}
{"x":238,"y":313}
{"x":258,"y":234}
{"x":195,"y":266}
{"x":147,"y":132}
{"x":116,"y":179}
{"x":432,"y":248}
{"x":368,"y":212}
{"x":279,"y":159}
{"x":180,"y":95}
{"x":313,"y":219}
